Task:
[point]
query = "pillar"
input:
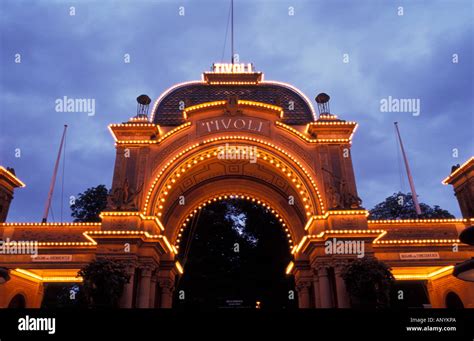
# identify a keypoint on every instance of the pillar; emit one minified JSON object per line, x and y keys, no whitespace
{"x":317,"y":298}
{"x":144,"y":288}
{"x":127,"y":294}
{"x":167,"y":287}
{"x":303,"y":294}
{"x":343,"y":300}
{"x":324,"y":288}
{"x":152,"y":291}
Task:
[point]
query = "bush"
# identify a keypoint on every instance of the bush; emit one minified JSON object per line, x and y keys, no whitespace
{"x":368,"y":282}
{"x":104,"y":281}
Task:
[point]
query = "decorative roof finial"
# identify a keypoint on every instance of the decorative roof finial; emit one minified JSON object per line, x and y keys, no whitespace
{"x":143,"y":103}
{"x":323,"y":103}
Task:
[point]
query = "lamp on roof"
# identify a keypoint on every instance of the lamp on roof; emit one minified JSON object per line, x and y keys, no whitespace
{"x":323,"y":103}
{"x":143,"y":104}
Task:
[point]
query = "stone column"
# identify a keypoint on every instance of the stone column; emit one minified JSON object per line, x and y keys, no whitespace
{"x":127,"y":294}
{"x":324,"y":288}
{"x":152,"y":291}
{"x":343,"y":300}
{"x":167,"y":288}
{"x":316,"y":290}
{"x":144,"y":288}
{"x":303,"y":294}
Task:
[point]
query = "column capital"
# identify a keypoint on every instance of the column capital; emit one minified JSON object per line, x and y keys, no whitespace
{"x":340,"y":265}
{"x":129,"y":264}
{"x":147,"y":269}
{"x":303,"y":284}
{"x":166,"y":283}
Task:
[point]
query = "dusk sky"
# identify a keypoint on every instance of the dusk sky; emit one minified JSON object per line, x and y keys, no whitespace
{"x":407,"y":56}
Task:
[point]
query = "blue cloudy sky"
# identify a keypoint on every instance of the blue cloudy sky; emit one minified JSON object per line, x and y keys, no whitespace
{"x":82,"y":56}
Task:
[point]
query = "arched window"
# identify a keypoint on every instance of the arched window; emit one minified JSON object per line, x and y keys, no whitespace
{"x":17,"y":302}
{"x":453,"y":301}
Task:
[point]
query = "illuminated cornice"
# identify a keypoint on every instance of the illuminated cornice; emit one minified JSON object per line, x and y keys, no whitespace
{"x":463,"y":167}
{"x":213,"y":104}
{"x":342,"y":212}
{"x":290,"y":267}
{"x":133,"y":214}
{"x":124,"y":233}
{"x":324,"y":234}
{"x":179,"y":267}
{"x":42,"y":279}
{"x":11,"y":177}
{"x":310,"y":140}
{"x":400,"y":274}
{"x":323,"y":127}
{"x":419,"y":221}
{"x":140,"y":142}
{"x":418,"y":242}
{"x":49,"y":224}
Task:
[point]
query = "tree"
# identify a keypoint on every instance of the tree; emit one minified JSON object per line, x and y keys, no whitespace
{"x":89,"y":204}
{"x":368,"y":282}
{"x":401,"y":206}
{"x":103,"y":283}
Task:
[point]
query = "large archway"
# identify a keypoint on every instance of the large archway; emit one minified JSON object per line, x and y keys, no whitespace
{"x":198,"y":174}
{"x":234,"y":252}
{"x":231,"y":135}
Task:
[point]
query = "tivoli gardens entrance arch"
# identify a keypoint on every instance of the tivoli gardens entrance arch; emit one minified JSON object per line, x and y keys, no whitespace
{"x":233,"y":135}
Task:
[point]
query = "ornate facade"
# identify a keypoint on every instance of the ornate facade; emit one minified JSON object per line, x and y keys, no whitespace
{"x":170,"y":165}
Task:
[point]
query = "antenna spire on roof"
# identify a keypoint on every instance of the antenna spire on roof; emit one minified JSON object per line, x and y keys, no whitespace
{"x":232,"y":29}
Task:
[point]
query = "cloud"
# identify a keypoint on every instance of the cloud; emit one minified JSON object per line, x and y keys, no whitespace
{"x":83,"y":56}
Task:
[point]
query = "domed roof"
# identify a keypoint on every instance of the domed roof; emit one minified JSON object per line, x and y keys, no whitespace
{"x":297,"y":108}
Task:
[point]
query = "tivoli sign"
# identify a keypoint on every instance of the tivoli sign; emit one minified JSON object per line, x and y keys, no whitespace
{"x":249,"y":124}
{"x":232,"y":68}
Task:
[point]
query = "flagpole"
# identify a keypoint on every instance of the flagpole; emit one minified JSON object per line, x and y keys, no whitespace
{"x":53,"y":179}
{"x":410,"y":177}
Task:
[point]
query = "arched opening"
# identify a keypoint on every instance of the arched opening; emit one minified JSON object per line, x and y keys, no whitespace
{"x":234,"y":252}
{"x":453,"y":301}
{"x":17,"y":302}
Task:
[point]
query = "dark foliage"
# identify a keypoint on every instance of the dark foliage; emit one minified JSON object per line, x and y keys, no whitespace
{"x":401,"y":206}
{"x":90,"y":204}
{"x":103,"y":284}
{"x":368,"y":282}
{"x":216,"y":274}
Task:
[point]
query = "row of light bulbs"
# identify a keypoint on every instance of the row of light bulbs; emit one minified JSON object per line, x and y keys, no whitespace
{"x":234,"y":196}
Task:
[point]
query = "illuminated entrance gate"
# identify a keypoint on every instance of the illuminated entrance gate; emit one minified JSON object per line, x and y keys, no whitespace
{"x":234,"y":134}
